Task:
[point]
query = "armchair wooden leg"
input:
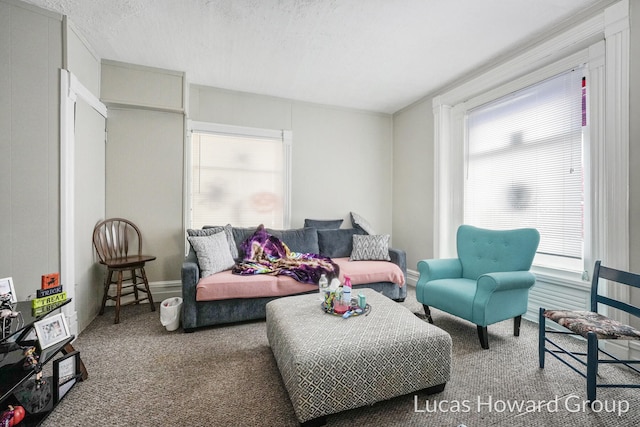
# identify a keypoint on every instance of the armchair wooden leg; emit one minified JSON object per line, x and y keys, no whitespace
{"x":483,"y":334}
{"x":516,"y":326}
{"x":427,"y":312}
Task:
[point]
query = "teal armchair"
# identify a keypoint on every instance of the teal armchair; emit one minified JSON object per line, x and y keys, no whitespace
{"x":489,"y":281}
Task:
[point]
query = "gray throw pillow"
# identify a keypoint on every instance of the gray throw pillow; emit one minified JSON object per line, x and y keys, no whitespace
{"x":323,"y":224}
{"x":212,"y":252}
{"x":337,"y":243}
{"x":370,"y":248}
{"x":359,"y":222}
{"x":208,"y":230}
{"x":301,"y":240}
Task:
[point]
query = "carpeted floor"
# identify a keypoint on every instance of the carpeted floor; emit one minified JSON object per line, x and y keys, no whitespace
{"x":140,"y":374}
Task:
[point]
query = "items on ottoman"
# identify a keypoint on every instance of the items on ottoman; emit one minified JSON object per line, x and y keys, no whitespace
{"x":489,"y":281}
{"x":330,"y":364}
{"x":218,"y":296}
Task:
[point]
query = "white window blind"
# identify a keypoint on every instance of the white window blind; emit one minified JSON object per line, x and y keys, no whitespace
{"x":238,"y":179}
{"x":524,"y":163}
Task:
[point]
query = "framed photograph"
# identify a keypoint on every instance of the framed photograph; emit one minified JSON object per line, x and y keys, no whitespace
{"x":66,"y":372}
{"x":47,"y":354}
{"x":51,"y":330}
{"x":6,"y":287}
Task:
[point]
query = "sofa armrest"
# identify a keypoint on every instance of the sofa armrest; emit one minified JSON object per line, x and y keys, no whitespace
{"x":190,"y":277}
{"x":434,"y":269}
{"x":399,"y":258}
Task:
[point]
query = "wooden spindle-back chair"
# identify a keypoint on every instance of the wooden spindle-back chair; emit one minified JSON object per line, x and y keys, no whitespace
{"x":118,"y":243}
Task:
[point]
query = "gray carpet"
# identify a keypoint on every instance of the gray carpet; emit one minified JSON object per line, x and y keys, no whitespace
{"x":140,"y":374}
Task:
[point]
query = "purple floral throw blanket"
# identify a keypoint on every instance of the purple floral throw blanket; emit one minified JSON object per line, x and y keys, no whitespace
{"x":266,"y":254}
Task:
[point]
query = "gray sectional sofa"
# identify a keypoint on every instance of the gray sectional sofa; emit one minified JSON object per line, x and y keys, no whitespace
{"x":334,"y":243}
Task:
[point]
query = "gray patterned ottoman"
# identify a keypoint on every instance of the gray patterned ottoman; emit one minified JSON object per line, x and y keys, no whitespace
{"x":330,"y":364}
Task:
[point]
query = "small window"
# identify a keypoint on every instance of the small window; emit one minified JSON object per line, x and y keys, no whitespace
{"x":238,"y":176}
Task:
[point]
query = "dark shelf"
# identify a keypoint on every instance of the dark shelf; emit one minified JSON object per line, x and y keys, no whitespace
{"x":18,"y":385}
{"x":20,"y":330}
{"x":12,"y":373}
{"x":35,"y":418}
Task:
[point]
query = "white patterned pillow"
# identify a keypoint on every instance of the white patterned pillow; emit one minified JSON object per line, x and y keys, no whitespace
{"x":359,"y":222}
{"x":370,"y":247}
{"x":209,"y":230}
{"x":213,"y":253}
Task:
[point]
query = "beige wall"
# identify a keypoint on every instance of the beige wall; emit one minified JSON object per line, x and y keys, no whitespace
{"x":342,"y":158}
{"x":30,"y":59}
{"x":144,"y":183}
{"x":144,"y":159}
{"x":31,"y":56}
{"x":81,"y":60}
{"x":413,"y":181}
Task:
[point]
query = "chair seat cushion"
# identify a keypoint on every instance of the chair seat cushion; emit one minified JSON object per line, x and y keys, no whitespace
{"x":128,"y":261}
{"x":454,"y":296}
{"x":583,"y":322}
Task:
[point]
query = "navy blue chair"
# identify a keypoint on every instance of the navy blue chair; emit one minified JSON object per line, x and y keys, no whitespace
{"x":594,"y":327}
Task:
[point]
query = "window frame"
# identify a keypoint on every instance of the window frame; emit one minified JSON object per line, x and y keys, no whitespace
{"x":542,"y":261}
{"x":606,"y":165}
{"x":286,"y":136}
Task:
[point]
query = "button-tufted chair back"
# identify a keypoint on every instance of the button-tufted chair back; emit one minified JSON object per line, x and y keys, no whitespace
{"x":484,"y":251}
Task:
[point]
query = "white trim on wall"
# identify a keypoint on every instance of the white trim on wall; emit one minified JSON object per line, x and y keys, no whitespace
{"x":70,"y":90}
{"x":160,"y":291}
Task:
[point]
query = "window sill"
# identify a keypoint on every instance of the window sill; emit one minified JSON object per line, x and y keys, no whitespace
{"x":570,"y":279}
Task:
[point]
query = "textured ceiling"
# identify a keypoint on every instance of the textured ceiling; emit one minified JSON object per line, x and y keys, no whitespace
{"x":378,"y":55}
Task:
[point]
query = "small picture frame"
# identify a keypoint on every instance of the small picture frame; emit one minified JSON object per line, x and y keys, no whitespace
{"x":66,"y":372}
{"x":51,"y":330}
{"x":47,"y":354}
{"x":6,"y":287}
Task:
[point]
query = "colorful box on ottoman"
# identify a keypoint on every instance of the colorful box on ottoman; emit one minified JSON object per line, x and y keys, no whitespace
{"x":330,"y":364}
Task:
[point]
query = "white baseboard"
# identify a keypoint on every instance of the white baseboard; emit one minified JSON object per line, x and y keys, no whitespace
{"x":412,"y":277}
{"x":166,"y":289}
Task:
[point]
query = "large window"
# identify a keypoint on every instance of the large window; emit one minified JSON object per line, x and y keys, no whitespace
{"x":568,"y":179}
{"x":524,"y":166}
{"x":238,"y":176}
